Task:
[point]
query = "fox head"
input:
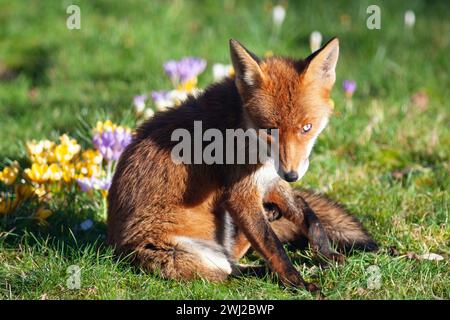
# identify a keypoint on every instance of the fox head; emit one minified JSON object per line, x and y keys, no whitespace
{"x":290,"y":95}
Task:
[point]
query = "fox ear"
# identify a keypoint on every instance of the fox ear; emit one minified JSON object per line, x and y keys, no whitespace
{"x":322,"y":64}
{"x":245,"y":64}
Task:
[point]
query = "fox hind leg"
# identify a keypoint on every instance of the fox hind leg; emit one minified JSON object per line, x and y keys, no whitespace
{"x":186,"y":258}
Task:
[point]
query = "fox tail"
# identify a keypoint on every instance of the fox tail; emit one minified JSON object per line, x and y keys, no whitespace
{"x":342,"y":228}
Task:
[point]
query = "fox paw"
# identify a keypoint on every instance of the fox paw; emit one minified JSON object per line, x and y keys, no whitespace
{"x":315,"y":290}
{"x":330,"y":256}
{"x":336,"y":257}
{"x":272,"y":212}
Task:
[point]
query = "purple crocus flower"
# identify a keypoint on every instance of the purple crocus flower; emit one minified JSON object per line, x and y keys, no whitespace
{"x":349,"y":87}
{"x":111,"y":143}
{"x":94,"y":183}
{"x":86,"y":224}
{"x":139,"y":102}
{"x":184,"y":69}
{"x":160,"y":96}
{"x":102,"y":184}
{"x":85,"y":184}
{"x":163,"y":99}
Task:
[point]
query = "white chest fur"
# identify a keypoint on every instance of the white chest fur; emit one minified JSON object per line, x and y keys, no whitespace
{"x":266,"y":176}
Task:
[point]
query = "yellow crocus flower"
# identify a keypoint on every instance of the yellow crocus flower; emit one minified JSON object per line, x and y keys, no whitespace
{"x":92,"y":156}
{"x":9,"y":174}
{"x":24,"y":191}
{"x":90,"y":165}
{"x":188,"y":85}
{"x":107,"y":125}
{"x":68,"y":172}
{"x":88,"y":170}
{"x":37,"y":173}
{"x":39,"y":147}
{"x":40,"y":151}
{"x":7,"y":205}
{"x":72,"y":144}
{"x":42,"y":214}
{"x":94,"y":170}
{"x":54,"y":172}
{"x":62,"y":153}
{"x":40,"y":191}
{"x":67,"y":149}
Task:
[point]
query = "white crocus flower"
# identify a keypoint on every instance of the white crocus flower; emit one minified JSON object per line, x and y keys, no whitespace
{"x":178,"y":96}
{"x":410,"y":19}
{"x":315,"y":41}
{"x":148,"y":113}
{"x":196,"y":92}
{"x":165,"y":103}
{"x":278,"y":15}
{"x":221,"y":71}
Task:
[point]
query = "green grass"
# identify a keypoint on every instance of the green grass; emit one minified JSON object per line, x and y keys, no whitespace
{"x":52,"y":77}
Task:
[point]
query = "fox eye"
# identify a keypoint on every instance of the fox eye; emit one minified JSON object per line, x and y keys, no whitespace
{"x":306,"y":127}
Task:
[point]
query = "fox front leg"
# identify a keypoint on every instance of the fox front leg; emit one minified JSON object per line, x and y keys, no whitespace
{"x":281,"y":198}
{"x":245,"y":206}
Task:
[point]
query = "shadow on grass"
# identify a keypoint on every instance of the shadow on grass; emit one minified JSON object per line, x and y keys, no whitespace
{"x":74,"y":225}
{"x":33,"y":61}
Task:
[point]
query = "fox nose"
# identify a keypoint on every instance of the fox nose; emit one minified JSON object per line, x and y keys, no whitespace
{"x":291,"y":176}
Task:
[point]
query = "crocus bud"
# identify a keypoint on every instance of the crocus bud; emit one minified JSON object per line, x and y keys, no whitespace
{"x":139,"y":103}
{"x":410,"y":19}
{"x":349,"y":87}
{"x":278,"y":15}
{"x":315,"y":40}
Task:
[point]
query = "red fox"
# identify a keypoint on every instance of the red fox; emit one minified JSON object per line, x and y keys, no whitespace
{"x":197,"y":220}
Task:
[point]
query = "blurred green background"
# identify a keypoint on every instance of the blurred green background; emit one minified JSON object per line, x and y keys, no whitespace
{"x":50,"y":74}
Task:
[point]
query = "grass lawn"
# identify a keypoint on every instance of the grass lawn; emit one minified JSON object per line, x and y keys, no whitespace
{"x":385,"y":155}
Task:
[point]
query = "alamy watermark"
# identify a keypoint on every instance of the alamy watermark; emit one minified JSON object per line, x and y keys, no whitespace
{"x":229,"y":146}
{"x":73,"y":21}
{"x":373,"y":278}
{"x":73,"y":281}
{"x":374,"y":20}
